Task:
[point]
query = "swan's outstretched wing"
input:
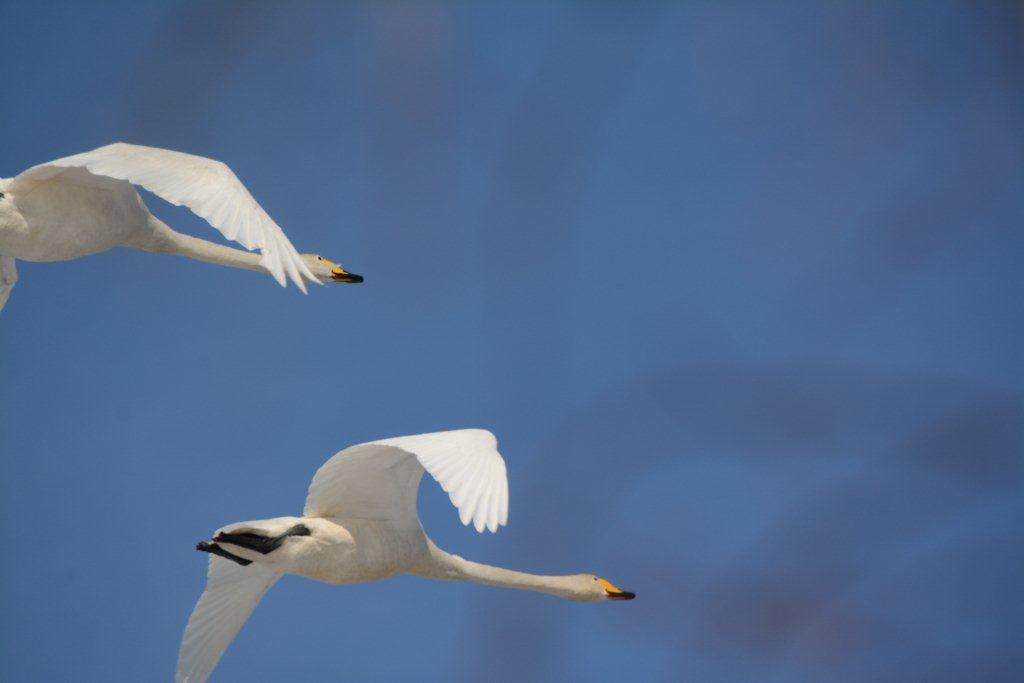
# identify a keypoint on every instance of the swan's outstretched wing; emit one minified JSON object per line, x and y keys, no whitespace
{"x":379,"y":480}
{"x":8,"y":276}
{"x":205,"y":186}
{"x":232,"y":593}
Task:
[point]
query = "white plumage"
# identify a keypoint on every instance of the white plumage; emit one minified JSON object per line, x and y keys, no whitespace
{"x":465,"y":463}
{"x":207,"y":187}
{"x":360,"y":524}
{"x":86,"y":203}
{"x":232,"y":593}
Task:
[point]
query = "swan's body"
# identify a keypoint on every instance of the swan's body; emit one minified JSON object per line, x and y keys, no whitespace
{"x":360,"y":524}
{"x":86,"y":203}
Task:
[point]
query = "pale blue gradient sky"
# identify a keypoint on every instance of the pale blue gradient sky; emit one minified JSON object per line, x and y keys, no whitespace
{"x":737,"y":287}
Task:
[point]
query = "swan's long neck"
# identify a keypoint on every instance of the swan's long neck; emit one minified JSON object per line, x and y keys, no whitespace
{"x":447,"y":567}
{"x":162,"y":239}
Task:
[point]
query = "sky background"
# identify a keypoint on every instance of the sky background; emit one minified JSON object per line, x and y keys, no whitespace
{"x":737,"y":286}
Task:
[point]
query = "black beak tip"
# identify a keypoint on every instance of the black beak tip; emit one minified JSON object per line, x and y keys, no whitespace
{"x":351,"y":278}
{"x":624,"y":595}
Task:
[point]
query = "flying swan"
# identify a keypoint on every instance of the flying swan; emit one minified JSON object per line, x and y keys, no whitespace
{"x":360,"y":524}
{"x":85,"y":204}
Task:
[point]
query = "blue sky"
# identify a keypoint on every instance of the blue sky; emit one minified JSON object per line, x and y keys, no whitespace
{"x":736,"y":286}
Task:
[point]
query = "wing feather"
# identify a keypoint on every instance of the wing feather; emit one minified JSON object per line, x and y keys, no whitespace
{"x":491,"y":515}
{"x":491,"y":512}
{"x":208,"y":187}
{"x":503,"y":498}
{"x":464,"y":485}
{"x":232,"y":593}
{"x":379,"y":479}
{"x":478,"y":487}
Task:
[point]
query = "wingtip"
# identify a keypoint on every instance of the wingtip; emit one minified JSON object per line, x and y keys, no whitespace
{"x":268,"y":264}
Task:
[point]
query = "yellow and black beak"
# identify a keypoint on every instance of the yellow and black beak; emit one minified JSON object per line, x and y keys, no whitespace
{"x":613,"y":592}
{"x":339,"y":274}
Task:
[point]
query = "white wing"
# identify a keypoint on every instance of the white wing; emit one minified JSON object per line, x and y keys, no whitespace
{"x":232,"y":593}
{"x":205,"y":186}
{"x":379,"y":480}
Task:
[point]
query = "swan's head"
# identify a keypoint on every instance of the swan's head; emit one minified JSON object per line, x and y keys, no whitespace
{"x":595,"y":588}
{"x":328,"y":271}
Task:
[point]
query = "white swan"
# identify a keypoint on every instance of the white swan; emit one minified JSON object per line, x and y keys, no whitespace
{"x":84,"y":204}
{"x":360,"y":524}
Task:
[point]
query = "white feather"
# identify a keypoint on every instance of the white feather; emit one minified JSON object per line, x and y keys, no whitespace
{"x":374,"y":481}
{"x":207,"y":187}
{"x":232,"y":593}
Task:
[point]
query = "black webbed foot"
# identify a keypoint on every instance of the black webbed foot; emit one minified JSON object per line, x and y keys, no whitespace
{"x":259,"y":543}
{"x":217,"y":550}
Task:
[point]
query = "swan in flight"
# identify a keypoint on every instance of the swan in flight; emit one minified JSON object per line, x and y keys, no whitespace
{"x":360,"y":524}
{"x":85,"y":204}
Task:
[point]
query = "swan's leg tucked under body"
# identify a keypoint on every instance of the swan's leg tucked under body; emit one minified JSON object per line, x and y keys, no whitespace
{"x":264,"y":544}
{"x":215,"y":549}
